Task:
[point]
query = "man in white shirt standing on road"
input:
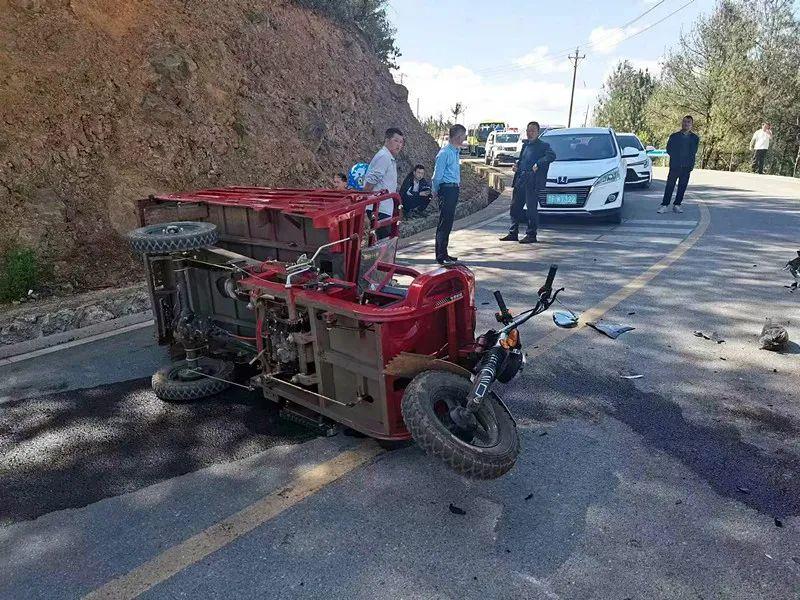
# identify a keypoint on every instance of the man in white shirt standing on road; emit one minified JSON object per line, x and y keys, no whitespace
{"x":382,"y":174}
{"x":760,"y":144}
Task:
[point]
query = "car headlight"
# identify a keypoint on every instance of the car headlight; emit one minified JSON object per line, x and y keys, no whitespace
{"x":611,"y":176}
{"x":646,"y":162}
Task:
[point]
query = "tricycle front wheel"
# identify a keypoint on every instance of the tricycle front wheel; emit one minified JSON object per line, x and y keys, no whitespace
{"x":487,"y":454}
{"x":182,"y":382}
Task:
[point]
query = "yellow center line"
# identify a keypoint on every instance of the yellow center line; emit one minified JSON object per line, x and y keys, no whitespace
{"x":634,"y":285}
{"x":196,"y":548}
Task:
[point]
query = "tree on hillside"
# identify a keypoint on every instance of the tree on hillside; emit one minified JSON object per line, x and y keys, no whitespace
{"x":734,"y":69}
{"x":622,"y":102}
{"x":369,"y":17}
{"x":458,"y":108}
{"x":437,"y":126}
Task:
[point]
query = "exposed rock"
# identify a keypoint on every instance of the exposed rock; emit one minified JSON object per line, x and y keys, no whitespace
{"x":105,"y":102}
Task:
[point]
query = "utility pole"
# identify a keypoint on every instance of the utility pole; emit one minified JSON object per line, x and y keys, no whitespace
{"x":402,"y":76}
{"x":574,"y":60}
{"x":417,"y":109}
{"x":586,"y":116}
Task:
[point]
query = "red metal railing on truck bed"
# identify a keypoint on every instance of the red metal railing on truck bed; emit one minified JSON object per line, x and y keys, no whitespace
{"x":340,"y":212}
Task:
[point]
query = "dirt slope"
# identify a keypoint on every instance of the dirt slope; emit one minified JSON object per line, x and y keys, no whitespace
{"x":103,"y":102}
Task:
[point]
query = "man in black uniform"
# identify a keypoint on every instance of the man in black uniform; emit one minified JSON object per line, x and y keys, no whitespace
{"x":682,"y":150}
{"x":530,"y":176}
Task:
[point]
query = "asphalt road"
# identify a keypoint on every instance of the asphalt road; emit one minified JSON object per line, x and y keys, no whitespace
{"x":683,"y":483}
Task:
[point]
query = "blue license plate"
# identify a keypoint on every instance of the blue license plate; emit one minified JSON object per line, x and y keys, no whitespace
{"x":562,"y":199}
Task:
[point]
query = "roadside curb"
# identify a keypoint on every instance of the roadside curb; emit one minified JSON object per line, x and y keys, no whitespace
{"x":497,"y":208}
{"x":15,"y":352}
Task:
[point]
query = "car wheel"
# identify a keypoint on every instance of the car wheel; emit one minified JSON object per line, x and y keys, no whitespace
{"x":495,"y":161}
{"x":179,"y":236}
{"x":486,"y":159}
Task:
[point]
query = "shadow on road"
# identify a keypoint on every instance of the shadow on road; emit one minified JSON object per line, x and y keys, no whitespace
{"x":73,"y":448}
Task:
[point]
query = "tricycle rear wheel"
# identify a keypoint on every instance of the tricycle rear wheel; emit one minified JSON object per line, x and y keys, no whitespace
{"x":426,"y":406}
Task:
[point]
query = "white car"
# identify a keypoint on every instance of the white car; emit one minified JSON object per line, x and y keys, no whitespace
{"x":588,"y":176}
{"x":639,"y":168}
{"x":502,"y":146}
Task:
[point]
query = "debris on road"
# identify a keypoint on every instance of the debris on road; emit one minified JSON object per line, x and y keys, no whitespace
{"x":793,"y":266}
{"x":456,"y":510}
{"x":631,"y":376}
{"x":773,"y":336}
{"x":612,"y":330}
{"x":529,"y":496}
{"x":713,"y":336}
{"x":778,"y":522}
{"x":743,"y":490}
{"x":542,"y":433}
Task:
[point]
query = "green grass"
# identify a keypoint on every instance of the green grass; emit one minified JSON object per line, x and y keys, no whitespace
{"x":19,"y":272}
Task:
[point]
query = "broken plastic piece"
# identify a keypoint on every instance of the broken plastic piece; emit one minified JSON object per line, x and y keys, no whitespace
{"x":610,"y":329}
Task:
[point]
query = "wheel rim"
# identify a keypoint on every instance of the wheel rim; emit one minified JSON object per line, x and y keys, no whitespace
{"x":487,"y":433}
{"x":185,"y":374}
{"x":162,"y":229}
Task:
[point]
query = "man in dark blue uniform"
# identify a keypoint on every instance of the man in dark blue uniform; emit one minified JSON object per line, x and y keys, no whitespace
{"x":530,"y":176}
{"x":682,"y":150}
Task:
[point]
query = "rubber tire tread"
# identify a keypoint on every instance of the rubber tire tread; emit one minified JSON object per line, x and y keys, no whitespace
{"x":436,"y":441}
{"x":170,"y":390}
{"x":149,"y":243}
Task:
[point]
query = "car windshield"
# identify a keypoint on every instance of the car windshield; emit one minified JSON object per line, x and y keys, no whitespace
{"x":625,"y":141}
{"x":484,"y":129}
{"x":507,"y":138}
{"x":581,"y":146}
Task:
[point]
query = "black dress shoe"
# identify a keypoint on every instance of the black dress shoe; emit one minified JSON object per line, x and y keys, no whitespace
{"x":452,"y":258}
{"x":528,"y":239}
{"x":510,"y":237}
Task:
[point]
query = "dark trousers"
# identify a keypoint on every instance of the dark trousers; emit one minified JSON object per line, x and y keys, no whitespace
{"x":525,"y":204}
{"x":758,"y":160}
{"x":448,"y":198}
{"x":381,"y":232}
{"x":682,"y":177}
{"x":416,"y":203}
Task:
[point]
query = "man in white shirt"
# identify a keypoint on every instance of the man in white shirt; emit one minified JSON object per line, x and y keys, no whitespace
{"x":759,"y":143}
{"x":382,"y":174}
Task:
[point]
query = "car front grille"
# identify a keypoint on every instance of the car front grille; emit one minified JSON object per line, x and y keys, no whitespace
{"x":581,"y":191}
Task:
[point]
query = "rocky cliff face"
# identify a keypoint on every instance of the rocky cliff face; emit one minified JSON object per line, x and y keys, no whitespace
{"x":103,"y":102}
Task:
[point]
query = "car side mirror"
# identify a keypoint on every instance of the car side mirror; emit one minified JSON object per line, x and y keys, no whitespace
{"x":630,"y":152}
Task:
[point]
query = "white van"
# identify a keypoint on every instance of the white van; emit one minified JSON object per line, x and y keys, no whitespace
{"x":503,"y":146}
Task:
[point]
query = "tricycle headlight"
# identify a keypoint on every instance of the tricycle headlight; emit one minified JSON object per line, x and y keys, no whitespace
{"x":611,"y":176}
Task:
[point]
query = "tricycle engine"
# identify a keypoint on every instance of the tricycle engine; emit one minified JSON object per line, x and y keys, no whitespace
{"x":284,"y":337}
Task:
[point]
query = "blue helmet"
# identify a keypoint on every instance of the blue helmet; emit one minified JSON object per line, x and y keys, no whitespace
{"x":355,"y":179}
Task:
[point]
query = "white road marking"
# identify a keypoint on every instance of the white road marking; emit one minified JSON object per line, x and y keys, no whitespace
{"x":665,"y":230}
{"x":658,"y":222}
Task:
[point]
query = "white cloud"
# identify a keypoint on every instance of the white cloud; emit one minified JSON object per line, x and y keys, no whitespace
{"x":540,"y":62}
{"x":604,"y":39}
{"x":514,"y":99}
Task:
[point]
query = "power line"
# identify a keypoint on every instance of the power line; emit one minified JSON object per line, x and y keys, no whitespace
{"x":512,"y":68}
{"x":559,"y":53}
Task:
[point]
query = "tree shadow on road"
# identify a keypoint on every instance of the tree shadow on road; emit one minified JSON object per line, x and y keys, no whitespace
{"x":73,"y":448}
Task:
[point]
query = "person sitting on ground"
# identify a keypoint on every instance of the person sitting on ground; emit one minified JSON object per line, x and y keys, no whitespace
{"x":339,"y":181}
{"x":415,"y":192}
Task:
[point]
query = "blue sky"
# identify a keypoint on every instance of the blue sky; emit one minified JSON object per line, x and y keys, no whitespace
{"x":506,"y":59}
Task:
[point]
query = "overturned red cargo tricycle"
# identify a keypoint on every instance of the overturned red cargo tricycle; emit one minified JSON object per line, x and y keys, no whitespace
{"x":292,"y":293}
